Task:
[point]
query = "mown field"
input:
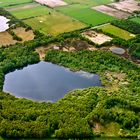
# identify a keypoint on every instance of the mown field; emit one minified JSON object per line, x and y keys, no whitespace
{"x":137,"y":20}
{"x":54,"y":23}
{"x":117,"y":31}
{"x":85,"y":15}
{"x":5,"y":3}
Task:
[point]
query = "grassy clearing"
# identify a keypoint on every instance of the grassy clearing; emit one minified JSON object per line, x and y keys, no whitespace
{"x":111,"y":129}
{"x":137,"y":20}
{"x":6,"y":39}
{"x":85,"y":15}
{"x":5,"y":3}
{"x":32,"y":12}
{"x":25,"y":35}
{"x":117,"y":31}
{"x":54,"y":24}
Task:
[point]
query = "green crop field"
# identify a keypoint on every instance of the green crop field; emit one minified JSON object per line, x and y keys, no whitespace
{"x":137,"y":20}
{"x":32,"y":12}
{"x":54,"y":24}
{"x":85,"y":15}
{"x":5,"y":3}
{"x":117,"y":31}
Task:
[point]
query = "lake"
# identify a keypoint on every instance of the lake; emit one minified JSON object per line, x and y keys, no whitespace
{"x":3,"y":23}
{"x":47,"y":82}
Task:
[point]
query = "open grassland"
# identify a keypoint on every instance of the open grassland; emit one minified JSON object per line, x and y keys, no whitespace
{"x":32,"y":12}
{"x":137,"y":20}
{"x":6,"y":39}
{"x":5,"y":3}
{"x":22,"y":33}
{"x":86,"y":15}
{"x":54,"y":24}
{"x":117,"y":31}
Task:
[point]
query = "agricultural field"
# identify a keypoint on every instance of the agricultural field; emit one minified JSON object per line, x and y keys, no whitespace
{"x":117,"y":31}
{"x":137,"y":19}
{"x":30,"y":12}
{"x":85,"y":15}
{"x":111,"y":11}
{"x":127,"y":5}
{"x":52,"y":3}
{"x":88,"y":3}
{"x":22,"y":6}
{"x":6,"y":3}
{"x":54,"y":27}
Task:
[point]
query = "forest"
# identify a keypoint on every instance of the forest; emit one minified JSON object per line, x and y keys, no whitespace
{"x":115,"y":105}
{"x":82,"y":108}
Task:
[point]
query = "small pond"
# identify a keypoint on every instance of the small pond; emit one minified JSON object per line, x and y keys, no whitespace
{"x":47,"y":82}
{"x":117,"y":50}
{"x":3,"y":23}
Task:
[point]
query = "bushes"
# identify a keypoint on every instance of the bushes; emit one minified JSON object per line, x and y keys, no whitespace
{"x":15,"y":37}
{"x":127,"y":25}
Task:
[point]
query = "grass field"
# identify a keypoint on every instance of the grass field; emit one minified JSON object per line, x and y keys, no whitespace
{"x":32,"y":12}
{"x":25,"y":35}
{"x":85,"y":15}
{"x":6,"y":39}
{"x":117,"y":31}
{"x":137,"y":20}
{"x":5,"y":3}
{"x":54,"y":24}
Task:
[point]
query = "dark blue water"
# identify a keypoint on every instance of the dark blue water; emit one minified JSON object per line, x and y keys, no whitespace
{"x":47,"y":82}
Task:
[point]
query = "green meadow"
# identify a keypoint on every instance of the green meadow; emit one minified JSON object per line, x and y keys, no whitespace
{"x":117,"y":31}
{"x":32,"y":12}
{"x":54,"y":24}
{"x":85,"y":15}
{"x":5,"y":3}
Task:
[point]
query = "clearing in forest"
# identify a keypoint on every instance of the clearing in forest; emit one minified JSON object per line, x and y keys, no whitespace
{"x":25,"y":35}
{"x":6,"y":39}
{"x":97,"y":38}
